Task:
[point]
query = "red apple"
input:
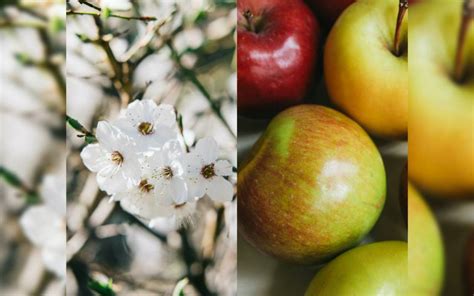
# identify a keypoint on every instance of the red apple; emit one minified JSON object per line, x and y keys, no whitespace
{"x":329,"y":10}
{"x":277,"y":47}
{"x":313,"y":186}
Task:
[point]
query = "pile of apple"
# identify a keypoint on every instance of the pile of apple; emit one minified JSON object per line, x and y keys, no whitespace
{"x":314,"y":184}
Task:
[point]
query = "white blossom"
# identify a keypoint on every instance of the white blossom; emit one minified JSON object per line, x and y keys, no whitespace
{"x":167,"y":175}
{"x":44,"y":225}
{"x":205,"y":174}
{"x":141,"y":162}
{"x":113,"y":158}
{"x":149,"y":125}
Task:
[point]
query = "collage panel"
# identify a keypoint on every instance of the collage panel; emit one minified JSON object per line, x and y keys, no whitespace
{"x":325,"y":209}
{"x":151,"y":111}
{"x":237,"y":147}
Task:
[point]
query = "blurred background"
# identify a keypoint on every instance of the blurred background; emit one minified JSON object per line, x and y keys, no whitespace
{"x":174,"y":52}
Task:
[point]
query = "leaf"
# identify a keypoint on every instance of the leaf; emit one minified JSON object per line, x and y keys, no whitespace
{"x":104,"y":289}
{"x":179,"y":288}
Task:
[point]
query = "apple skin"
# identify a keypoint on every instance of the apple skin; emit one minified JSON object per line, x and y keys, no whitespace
{"x":441,"y":114}
{"x":425,"y":250}
{"x":276,"y":64}
{"x":313,"y":185}
{"x":469,"y":266}
{"x":374,"y":269}
{"x":363,"y":77}
{"x":328,"y":11}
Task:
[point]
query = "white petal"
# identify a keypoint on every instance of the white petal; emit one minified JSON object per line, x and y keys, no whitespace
{"x":192,"y":164}
{"x":223,"y":168}
{"x":171,"y":150}
{"x":40,"y":223}
{"x":196,"y":187}
{"x":113,"y":183}
{"x":219,"y":189}
{"x":179,"y":191}
{"x":55,"y":260}
{"x":207,"y":150}
{"x":109,"y":136}
{"x":164,"y":192}
{"x":93,"y":157}
{"x":53,"y":192}
{"x":165,"y":115}
{"x":142,"y":204}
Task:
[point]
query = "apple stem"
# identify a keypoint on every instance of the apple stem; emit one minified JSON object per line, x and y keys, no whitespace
{"x":467,"y":16}
{"x":402,"y":9}
{"x":250,"y":20}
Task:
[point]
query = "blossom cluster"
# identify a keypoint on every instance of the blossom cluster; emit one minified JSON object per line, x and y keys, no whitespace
{"x":141,"y":160}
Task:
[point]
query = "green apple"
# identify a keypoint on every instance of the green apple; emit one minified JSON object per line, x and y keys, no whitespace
{"x":425,"y":250}
{"x":366,"y":66}
{"x":375,"y":269}
{"x":313,"y":186}
{"x":441,"y":112}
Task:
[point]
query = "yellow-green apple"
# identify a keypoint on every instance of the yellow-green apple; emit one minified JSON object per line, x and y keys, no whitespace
{"x":425,"y":247}
{"x":313,"y":185}
{"x":374,"y":269}
{"x":328,"y":11}
{"x":441,"y":115}
{"x":469,"y":266}
{"x":277,"y":49}
{"x":366,"y":66}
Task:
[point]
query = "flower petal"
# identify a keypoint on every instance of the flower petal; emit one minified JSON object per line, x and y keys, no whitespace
{"x":207,"y":149}
{"x":219,"y":189}
{"x":196,"y":187}
{"x":53,"y":192}
{"x":192,"y":164}
{"x":109,"y":136}
{"x":40,"y":223}
{"x":93,"y":157}
{"x":172,"y":150}
{"x":223,"y":168}
{"x":165,"y":115}
{"x":113,"y":183}
{"x":179,"y":191}
{"x":142,"y":204}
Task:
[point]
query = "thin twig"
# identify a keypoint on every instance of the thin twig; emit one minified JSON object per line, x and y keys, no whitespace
{"x":53,"y":68}
{"x":197,"y":275}
{"x":90,"y":5}
{"x":191,"y":76}
{"x":98,"y":14}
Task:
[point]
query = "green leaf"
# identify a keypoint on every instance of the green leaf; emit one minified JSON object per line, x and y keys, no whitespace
{"x":83,"y":38}
{"x":56,"y":25}
{"x":89,"y":138}
{"x":10,"y":177}
{"x":103,"y":289}
{"x":179,"y":288}
{"x":24,"y":59}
